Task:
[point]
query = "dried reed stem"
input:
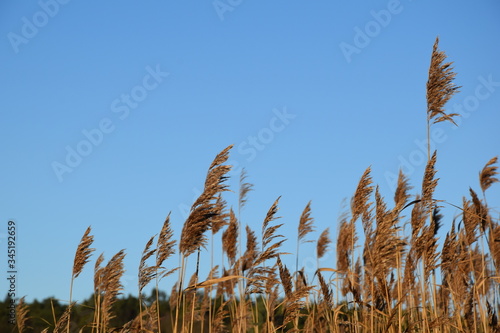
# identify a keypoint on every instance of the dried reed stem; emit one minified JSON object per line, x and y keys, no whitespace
{"x":82,"y":255}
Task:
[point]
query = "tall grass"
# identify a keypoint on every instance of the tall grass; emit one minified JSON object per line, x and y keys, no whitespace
{"x":400,"y":279}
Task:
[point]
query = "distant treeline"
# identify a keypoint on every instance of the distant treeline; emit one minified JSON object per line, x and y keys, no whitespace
{"x":41,"y":313}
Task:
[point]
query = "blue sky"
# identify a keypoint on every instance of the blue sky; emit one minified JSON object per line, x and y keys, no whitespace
{"x":147,"y":93}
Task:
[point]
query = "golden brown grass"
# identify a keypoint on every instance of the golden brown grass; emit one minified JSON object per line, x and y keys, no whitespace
{"x":323,"y":243}
{"x":487,"y":175}
{"x":398,"y":279}
{"x":22,"y":315}
{"x":392,"y":282}
{"x":82,"y":256}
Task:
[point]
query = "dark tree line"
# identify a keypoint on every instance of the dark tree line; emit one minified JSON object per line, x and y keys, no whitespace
{"x":43,"y":313}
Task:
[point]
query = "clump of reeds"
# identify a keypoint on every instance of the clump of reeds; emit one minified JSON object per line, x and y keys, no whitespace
{"x":204,"y":208}
{"x":390,"y":285}
{"x":397,"y":280}
{"x":107,"y":287}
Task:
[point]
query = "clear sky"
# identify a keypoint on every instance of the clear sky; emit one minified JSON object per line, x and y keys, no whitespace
{"x":113,"y":111}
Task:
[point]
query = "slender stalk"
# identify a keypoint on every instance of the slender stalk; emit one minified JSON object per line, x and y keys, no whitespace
{"x":70,"y":300}
{"x":180,"y":292}
{"x":157,"y":303}
{"x":196,"y":282}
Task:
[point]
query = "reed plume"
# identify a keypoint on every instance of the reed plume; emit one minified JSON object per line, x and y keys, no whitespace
{"x":251,"y":252}
{"x":204,"y":209}
{"x":22,"y":316}
{"x":164,"y":249}
{"x":494,"y":244}
{"x":429,"y":184}
{"x":293,"y":298}
{"x":385,"y":246}
{"x":286,"y":278}
{"x":440,"y":86}
{"x":245,"y":188}
{"x":428,"y":245}
{"x":173,"y":300}
{"x":306,"y":224}
{"x":145,"y":321}
{"x":323,"y":242}
{"x":325,"y":290}
{"x":470,"y":222}
{"x":83,"y":253}
{"x":82,"y":256}
{"x":230,"y":238}
{"x":345,"y":244}
{"x":64,"y":322}
{"x":401,"y":195}
{"x":220,"y":316}
{"x":417,"y":220}
{"x":448,"y":264}
{"x":487,"y":175}
{"x":262,"y":277}
{"x":480,"y":213}
{"x":146,"y":273}
{"x":359,"y":202}
{"x":203,"y":212}
{"x":268,"y":235}
{"x":111,"y":286}
{"x":219,"y":219}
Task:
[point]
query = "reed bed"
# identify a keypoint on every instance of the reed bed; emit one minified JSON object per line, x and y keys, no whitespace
{"x":399,"y":279}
